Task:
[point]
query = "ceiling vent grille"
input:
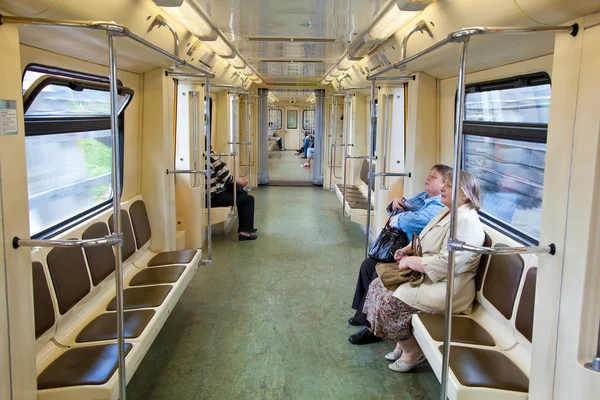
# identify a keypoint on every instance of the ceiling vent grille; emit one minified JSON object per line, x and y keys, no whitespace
{"x":291,"y":39}
{"x":287,"y":60}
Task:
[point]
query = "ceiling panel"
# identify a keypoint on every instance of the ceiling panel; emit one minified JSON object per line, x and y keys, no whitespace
{"x":332,"y":23}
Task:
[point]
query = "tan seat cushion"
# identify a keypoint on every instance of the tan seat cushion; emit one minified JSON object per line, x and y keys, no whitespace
{"x":464,"y":330}
{"x":104,"y":326}
{"x":158,"y":275}
{"x":93,"y":365}
{"x":486,"y":368}
{"x":173,"y":257}
{"x":142,"y":297}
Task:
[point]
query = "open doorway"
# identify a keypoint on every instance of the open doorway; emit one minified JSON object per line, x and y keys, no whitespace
{"x":292,"y":126}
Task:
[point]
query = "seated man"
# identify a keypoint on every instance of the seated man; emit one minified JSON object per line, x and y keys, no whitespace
{"x":221,"y":194}
{"x":307,"y":144}
{"x":411,"y":216}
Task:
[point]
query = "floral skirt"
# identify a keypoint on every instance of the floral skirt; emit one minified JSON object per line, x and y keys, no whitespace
{"x":390,"y":317}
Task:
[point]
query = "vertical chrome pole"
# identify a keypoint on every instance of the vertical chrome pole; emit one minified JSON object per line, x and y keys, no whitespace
{"x":248,"y":141}
{"x":331,"y":142}
{"x":333,"y":139}
{"x":458,"y":140}
{"x":116,"y":189}
{"x":386,"y":129}
{"x":196,"y":181}
{"x":370,"y":175}
{"x":346,"y":129}
{"x":233,"y":151}
{"x":208,"y":130}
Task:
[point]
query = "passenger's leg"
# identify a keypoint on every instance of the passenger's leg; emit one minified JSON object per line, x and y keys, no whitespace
{"x":245,"y":206}
{"x":366,"y":275}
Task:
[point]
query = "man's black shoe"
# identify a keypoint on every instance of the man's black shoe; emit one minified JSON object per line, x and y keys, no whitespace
{"x":244,"y":237}
{"x":364,"y":336}
{"x":354,"y":322}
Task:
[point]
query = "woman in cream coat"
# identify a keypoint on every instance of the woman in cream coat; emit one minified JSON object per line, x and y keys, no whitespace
{"x":390,"y":312}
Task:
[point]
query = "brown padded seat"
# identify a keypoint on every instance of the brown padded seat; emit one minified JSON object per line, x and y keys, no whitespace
{"x":486,"y":368}
{"x":173,"y":257}
{"x":104,"y":326}
{"x":348,"y":187}
{"x":42,"y":301}
{"x":93,"y":365}
{"x":140,"y":222}
{"x":154,"y":276}
{"x":464,"y":330}
{"x":128,"y":242}
{"x":69,"y":276}
{"x":101,"y":259}
{"x":505,"y":272}
{"x":142,"y":297}
{"x":483,"y":264}
{"x":524,"y":320}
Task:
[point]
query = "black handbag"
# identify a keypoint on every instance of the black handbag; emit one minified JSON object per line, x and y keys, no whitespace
{"x":389,"y":240}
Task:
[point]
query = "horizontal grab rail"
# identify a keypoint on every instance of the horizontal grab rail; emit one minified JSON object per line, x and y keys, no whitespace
{"x":356,"y":157}
{"x":110,"y":240}
{"x":405,"y":174}
{"x":240,"y":143}
{"x":224,"y":154}
{"x":458,"y":245}
{"x":342,"y":145}
{"x":187,"y":171}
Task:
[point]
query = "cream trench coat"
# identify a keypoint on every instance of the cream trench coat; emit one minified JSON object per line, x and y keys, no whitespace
{"x":430,"y":297}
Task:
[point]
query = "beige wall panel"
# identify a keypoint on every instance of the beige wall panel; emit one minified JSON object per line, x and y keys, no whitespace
{"x":16,"y":264}
{"x":448,"y":94}
{"x":131,"y":184}
{"x":189,"y":199}
{"x":565,"y":74}
{"x":157,"y":139}
{"x":359,"y":109}
{"x":556,"y":11}
{"x":580,"y":298}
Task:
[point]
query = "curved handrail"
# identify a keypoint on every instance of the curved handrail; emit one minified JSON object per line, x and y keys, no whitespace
{"x":459,"y":245}
{"x":109,"y":240}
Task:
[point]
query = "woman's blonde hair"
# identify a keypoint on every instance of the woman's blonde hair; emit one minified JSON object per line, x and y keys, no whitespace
{"x":469,"y":185}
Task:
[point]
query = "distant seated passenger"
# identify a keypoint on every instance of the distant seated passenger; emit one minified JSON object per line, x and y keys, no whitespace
{"x":221,"y":194}
{"x":275,"y":137}
{"x":390,"y":312}
{"x":410,"y":216}
{"x":310,"y":153}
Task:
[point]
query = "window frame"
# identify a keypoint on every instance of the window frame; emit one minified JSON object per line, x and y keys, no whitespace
{"x":280,"y":118}
{"x":53,"y":125}
{"x":518,"y":131}
{"x":303,"y":119}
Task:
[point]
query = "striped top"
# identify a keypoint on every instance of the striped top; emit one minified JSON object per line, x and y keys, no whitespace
{"x":219,"y":175}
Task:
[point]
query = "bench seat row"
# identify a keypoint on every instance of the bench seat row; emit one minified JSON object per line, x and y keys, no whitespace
{"x":75,"y":304}
{"x":490,"y":353}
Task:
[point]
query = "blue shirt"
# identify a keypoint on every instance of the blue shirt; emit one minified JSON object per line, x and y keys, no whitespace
{"x":423,"y":207}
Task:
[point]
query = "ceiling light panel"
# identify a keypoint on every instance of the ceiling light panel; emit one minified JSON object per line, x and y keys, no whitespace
{"x":322,"y":29}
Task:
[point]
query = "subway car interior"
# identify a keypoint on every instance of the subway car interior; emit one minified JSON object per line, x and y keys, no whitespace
{"x":300,"y":199}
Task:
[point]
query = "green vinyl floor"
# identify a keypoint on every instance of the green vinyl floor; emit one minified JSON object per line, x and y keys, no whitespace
{"x":267,"y":320}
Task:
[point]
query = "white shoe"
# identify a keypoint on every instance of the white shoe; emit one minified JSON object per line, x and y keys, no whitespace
{"x":393,"y":355}
{"x":401,"y":366}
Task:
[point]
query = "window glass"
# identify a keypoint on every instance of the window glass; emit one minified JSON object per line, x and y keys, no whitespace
{"x":511,"y":176}
{"x":67,"y":174}
{"x":68,"y":145}
{"x":275,"y":119}
{"x":527,"y":105}
{"x":308,"y":120}
{"x":506,"y":124}
{"x":61,"y":101}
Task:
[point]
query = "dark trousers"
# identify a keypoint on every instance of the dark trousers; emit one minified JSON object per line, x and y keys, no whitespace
{"x":366,"y":275}
{"x":245,"y":206}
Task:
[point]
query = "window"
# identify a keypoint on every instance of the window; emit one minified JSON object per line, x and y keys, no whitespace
{"x":275,"y":119}
{"x":292,"y":119}
{"x":506,"y":124}
{"x":308,"y":120}
{"x":68,"y":147}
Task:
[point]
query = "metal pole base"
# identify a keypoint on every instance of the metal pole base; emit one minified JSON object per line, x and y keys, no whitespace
{"x":594,"y":365}
{"x":206,"y":262}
